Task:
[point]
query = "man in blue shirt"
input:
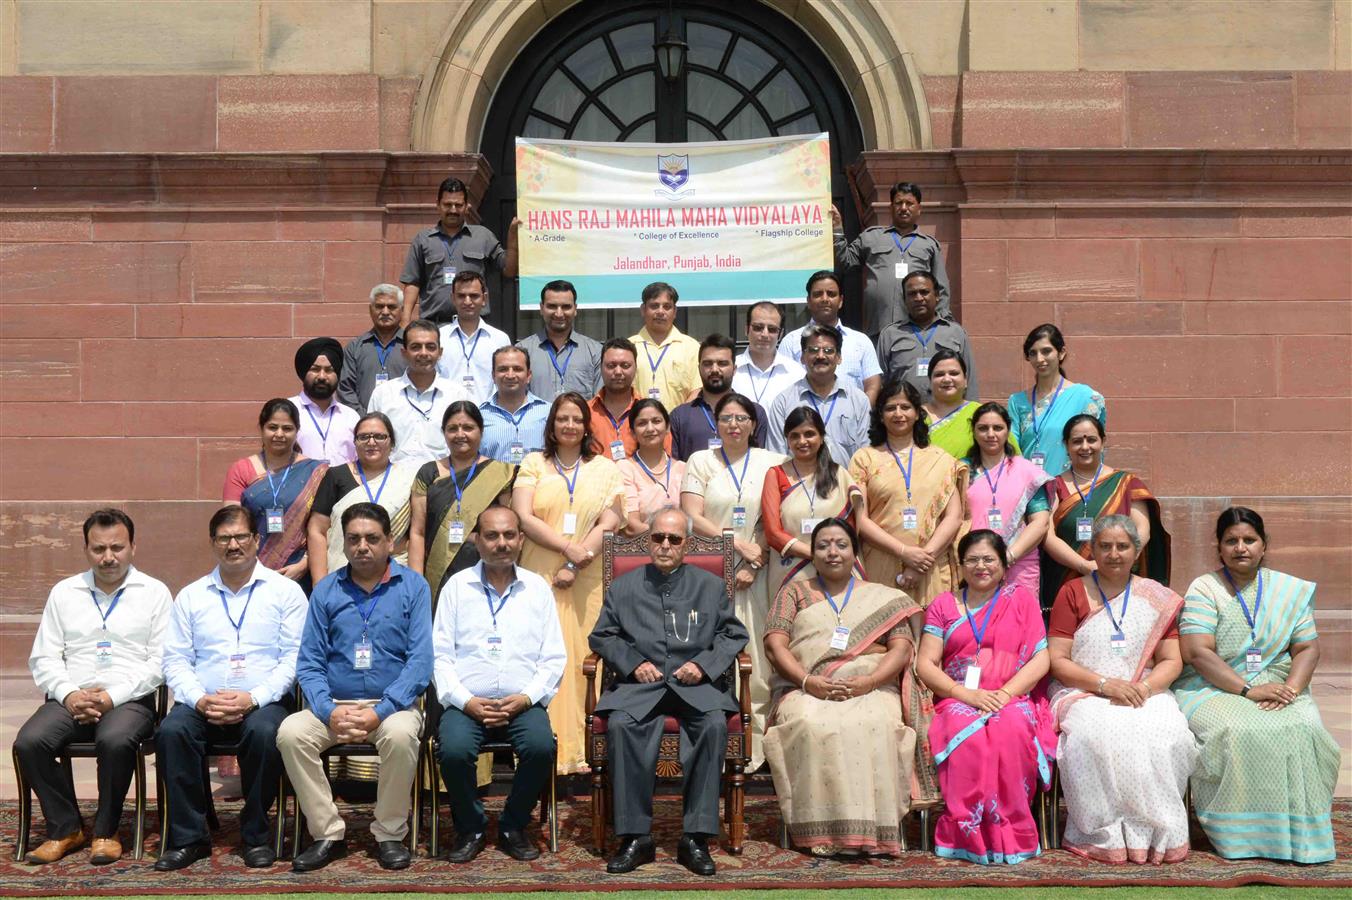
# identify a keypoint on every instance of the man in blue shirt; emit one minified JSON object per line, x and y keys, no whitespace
{"x":230,"y":659}
{"x":514,"y":418}
{"x":365,"y":658}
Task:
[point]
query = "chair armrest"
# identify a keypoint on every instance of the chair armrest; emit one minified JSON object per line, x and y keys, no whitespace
{"x":589,"y":667}
{"x":161,"y":702}
{"x":744,"y":682}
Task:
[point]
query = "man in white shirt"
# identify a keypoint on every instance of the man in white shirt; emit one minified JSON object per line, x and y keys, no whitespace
{"x":858,"y":358}
{"x":499,"y":656}
{"x":845,"y":411}
{"x":97,"y":658}
{"x":763,"y":371}
{"x":468,"y":342}
{"x":325,"y":424}
{"x":230,"y":659}
{"x":416,"y":401}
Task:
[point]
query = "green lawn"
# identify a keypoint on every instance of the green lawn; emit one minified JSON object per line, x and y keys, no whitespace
{"x":1256,"y":892}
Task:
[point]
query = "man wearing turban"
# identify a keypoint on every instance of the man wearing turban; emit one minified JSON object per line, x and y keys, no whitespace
{"x":325,"y":424}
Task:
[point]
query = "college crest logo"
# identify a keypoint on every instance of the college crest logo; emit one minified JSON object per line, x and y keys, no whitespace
{"x":673,"y":170}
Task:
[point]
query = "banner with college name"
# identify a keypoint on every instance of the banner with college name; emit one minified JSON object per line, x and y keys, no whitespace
{"x":729,"y":222}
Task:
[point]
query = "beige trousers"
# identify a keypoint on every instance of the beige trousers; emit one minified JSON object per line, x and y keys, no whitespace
{"x":302,"y":738}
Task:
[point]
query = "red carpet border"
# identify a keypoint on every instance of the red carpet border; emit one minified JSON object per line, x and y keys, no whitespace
{"x":575,"y":868}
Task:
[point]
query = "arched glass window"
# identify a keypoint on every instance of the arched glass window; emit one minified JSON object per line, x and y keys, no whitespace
{"x":592,"y":75}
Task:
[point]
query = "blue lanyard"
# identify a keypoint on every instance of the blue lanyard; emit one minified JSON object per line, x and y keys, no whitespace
{"x":905,"y":472}
{"x":427,"y":414}
{"x":768,"y":378}
{"x":1126,"y":598}
{"x":1085,"y":498}
{"x":384,"y":478}
{"x":616,"y":423}
{"x":896,"y":240}
{"x":1000,"y":473}
{"x":242,"y":613}
{"x":811,"y":495}
{"x":383,"y":350}
{"x":474,"y":342}
{"x":737,"y":482}
{"x":943,"y":419}
{"x":708,"y":417}
{"x":489,"y":593}
{"x":450,"y":245}
{"x":830,"y":410}
{"x":985,"y":623}
{"x":1032,"y":399}
{"x":838,"y":610}
{"x":924,"y":341}
{"x":323,"y":434}
{"x":648,"y":353}
{"x":470,"y":477}
{"x":554,"y":357}
{"x":517,"y":417}
{"x":277,"y":488}
{"x":366,"y":616}
{"x":572,"y":485}
{"x":111,"y":606}
{"x":1257,"y":603}
{"x":666,"y":478}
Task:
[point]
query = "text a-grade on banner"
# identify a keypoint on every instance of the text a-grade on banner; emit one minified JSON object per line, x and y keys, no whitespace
{"x":727,"y":222}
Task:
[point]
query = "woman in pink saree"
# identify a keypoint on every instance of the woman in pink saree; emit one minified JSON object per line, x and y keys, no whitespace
{"x":984,"y":652}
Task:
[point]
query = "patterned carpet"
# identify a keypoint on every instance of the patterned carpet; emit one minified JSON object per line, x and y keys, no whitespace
{"x":762,"y":865}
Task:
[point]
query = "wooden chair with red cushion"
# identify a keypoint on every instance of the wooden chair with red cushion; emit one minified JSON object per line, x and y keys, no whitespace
{"x":620,"y":554}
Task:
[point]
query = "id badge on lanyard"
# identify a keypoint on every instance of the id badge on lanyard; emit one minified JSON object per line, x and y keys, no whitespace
{"x":361,"y":655}
{"x":1253,"y":660}
{"x":715,"y":443}
{"x":1118,"y":641}
{"x":739,"y":517}
{"x":995,"y":519}
{"x":237,"y":668}
{"x":103,"y":654}
{"x":276,"y":520}
{"x":1084,"y":528}
{"x":457,"y":531}
{"x":972,"y":679}
{"x":655,"y":392}
{"x":1038,"y":458}
{"x":382,"y":377}
{"x":448,"y":275}
{"x":922,"y":367}
{"x":570,"y":523}
{"x":617,"y":450}
{"x":494,"y":646}
{"x":840,"y":638}
{"x":910,"y":519}
{"x":810,"y":524}
{"x":517,"y":452}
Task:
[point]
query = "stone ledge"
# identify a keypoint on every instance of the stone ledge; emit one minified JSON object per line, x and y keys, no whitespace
{"x":62,"y":180}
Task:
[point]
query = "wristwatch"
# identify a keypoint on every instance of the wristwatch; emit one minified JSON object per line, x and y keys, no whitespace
{"x":1245,"y":691}
{"x":1099,"y":690}
{"x":570,"y":566}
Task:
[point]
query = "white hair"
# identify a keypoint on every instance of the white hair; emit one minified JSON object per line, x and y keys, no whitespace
{"x":1107,"y":523}
{"x":386,"y":290}
{"x":689,"y":522}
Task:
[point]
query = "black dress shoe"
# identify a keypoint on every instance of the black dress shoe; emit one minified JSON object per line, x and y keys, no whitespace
{"x":318,"y":855}
{"x":634,"y":851}
{"x":182,"y":857}
{"x":259,"y":857}
{"x":693,"y":853}
{"x":516,"y":845}
{"x":467,"y":846}
{"x":393,"y":855}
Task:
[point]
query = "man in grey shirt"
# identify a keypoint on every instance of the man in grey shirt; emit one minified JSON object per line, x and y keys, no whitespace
{"x":906,"y":347}
{"x":452,"y":245}
{"x":887,"y":255}
{"x":843,"y":407}
{"x":560,"y":358}
{"x":375,"y":356}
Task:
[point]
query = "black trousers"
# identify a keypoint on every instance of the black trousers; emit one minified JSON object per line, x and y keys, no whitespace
{"x":116,"y":737}
{"x":180,"y":749}
{"x":633,"y":748}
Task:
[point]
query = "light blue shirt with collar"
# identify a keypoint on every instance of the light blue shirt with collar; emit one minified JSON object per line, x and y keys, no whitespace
{"x":846,"y":412}
{"x":531,"y":656}
{"x":858,"y":356}
{"x":270,"y":609}
{"x":502,"y":428}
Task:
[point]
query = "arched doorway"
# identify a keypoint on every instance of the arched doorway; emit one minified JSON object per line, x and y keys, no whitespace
{"x":592,"y":74}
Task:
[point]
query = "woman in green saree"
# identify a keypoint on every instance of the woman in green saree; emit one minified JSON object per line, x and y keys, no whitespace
{"x":1264,"y":784}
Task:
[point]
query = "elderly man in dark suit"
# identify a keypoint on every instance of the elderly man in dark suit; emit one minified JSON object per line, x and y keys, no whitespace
{"x":666,"y":629}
